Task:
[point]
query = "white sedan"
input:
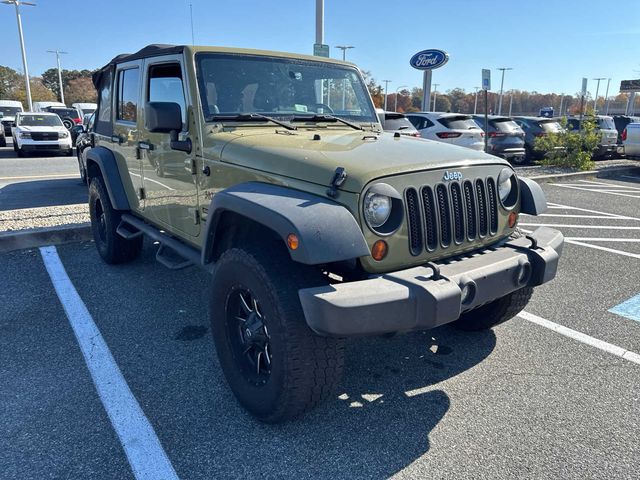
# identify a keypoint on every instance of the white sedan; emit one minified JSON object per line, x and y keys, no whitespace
{"x":41,"y":131}
{"x":455,"y":128}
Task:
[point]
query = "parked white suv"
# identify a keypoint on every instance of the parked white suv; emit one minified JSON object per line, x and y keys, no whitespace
{"x":455,"y":128}
{"x":9,"y":108}
{"x":85,"y":108}
{"x":40,"y":131}
{"x":631,"y":140}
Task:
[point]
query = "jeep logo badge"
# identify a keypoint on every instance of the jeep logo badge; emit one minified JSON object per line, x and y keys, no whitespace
{"x":449,"y":176}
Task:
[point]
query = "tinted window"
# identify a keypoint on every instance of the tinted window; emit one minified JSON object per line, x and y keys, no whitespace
{"x":506,"y":125}
{"x":606,"y":123}
{"x":550,"y":127}
{"x":420,"y":122}
{"x":9,"y":110}
{"x":573,"y":124}
{"x":87,"y":111}
{"x":165,"y":85}
{"x":103,"y":123}
{"x":128,"y":94}
{"x":40,"y":121}
{"x":462,"y":122}
{"x":397,"y":123}
{"x":64,"y":112}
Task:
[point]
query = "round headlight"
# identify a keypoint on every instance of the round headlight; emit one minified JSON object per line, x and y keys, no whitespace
{"x":377,"y":208}
{"x":507,"y":188}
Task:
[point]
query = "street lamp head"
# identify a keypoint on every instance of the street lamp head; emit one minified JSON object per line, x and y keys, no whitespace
{"x":18,"y":3}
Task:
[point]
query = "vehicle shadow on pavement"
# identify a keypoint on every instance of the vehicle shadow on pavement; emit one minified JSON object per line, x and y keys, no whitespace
{"x":43,"y":193}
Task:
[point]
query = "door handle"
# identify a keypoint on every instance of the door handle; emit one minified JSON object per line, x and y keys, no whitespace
{"x":116,"y":139}
{"x":145,"y":145}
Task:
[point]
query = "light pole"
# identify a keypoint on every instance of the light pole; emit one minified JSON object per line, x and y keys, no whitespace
{"x":475,"y":105}
{"x":58,"y":52}
{"x":561,"y":101}
{"x":386,"y":86}
{"x":344,"y":49}
{"x":17,"y":4}
{"x":435,"y":95}
{"x":595,"y":100}
{"x":510,"y":102}
{"x":395,"y":106}
{"x":502,"y":69}
{"x":606,"y":98}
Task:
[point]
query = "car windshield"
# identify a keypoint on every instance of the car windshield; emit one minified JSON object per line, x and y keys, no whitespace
{"x":397,"y":123}
{"x":40,"y":121}
{"x":9,"y":110}
{"x":64,"y":112}
{"x":88,"y":111}
{"x":279,"y":87}
{"x":550,"y":126}
{"x":460,"y":122}
{"x":606,"y":123}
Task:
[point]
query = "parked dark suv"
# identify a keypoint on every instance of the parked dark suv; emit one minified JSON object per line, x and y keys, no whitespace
{"x":533,"y":128}
{"x":621,"y":122}
{"x":506,"y":138}
{"x":69,"y":116}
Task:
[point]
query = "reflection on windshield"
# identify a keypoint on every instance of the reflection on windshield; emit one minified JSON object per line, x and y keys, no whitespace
{"x":40,"y":121}
{"x":9,"y":110}
{"x":231,"y":85}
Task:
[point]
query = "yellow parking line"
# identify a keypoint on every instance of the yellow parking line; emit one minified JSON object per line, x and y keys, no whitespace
{"x":68,"y":175}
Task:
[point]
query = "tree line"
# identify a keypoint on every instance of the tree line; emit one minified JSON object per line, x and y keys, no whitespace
{"x":76,"y":83}
{"x":457,"y":100}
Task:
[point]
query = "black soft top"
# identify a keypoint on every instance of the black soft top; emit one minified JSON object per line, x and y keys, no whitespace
{"x":149,"y":51}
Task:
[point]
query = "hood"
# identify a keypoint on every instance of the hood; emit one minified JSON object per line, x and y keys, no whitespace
{"x":364,"y":155}
{"x":27,"y":128}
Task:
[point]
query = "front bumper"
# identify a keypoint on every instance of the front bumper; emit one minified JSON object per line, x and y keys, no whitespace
{"x":509,"y":153}
{"x":413,"y":300}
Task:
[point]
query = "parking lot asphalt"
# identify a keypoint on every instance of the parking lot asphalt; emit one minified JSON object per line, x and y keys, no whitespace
{"x":519,"y":401}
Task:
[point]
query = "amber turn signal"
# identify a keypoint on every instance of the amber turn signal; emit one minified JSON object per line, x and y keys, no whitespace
{"x":379,"y":250}
{"x":292,"y":241}
{"x":513,"y":218}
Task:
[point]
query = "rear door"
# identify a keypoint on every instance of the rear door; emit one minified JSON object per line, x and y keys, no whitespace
{"x":169,"y":175}
{"x":124,"y":138}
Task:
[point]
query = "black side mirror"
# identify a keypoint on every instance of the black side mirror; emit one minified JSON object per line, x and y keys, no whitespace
{"x":13,"y":124}
{"x":166,"y":117}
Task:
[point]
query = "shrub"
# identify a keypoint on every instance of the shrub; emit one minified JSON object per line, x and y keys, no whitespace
{"x":570,"y":148}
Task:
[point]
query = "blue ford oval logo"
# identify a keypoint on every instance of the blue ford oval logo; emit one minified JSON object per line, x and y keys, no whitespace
{"x":429,"y":59}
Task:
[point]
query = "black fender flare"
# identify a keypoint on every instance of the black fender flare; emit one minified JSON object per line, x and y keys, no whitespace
{"x":106,"y":162}
{"x":326,"y":230}
{"x":532,"y":198}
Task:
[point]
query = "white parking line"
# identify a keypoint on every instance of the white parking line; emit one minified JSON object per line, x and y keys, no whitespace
{"x":606,"y":249}
{"x":563,"y":215}
{"x":603,"y":239}
{"x":581,"y":337}
{"x":600,"y":227}
{"x":607,"y":185}
{"x":574,"y":187}
{"x":146,"y":456}
{"x":567,"y":207}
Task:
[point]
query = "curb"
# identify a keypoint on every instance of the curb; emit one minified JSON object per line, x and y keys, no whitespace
{"x":38,"y":237}
{"x":603,"y":173}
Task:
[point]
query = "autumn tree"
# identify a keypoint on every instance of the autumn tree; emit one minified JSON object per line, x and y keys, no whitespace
{"x":10,"y":82}
{"x":39,"y":93}
{"x":80,"y":90}
{"x":50,"y":78}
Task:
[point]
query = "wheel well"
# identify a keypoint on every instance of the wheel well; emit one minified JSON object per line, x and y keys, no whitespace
{"x":93,"y":170}
{"x":234,"y":229}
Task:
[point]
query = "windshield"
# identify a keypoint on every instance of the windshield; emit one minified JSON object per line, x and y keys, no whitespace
{"x":398,"y":123}
{"x":9,"y":110}
{"x":40,"y":121}
{"x":280,"y":87}
{"x":460,"y":122}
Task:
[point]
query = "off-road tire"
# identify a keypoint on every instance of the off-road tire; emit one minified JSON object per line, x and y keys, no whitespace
{"x":104,"y":221}
{"x":305,"y":367}
{"x":494,"y":313}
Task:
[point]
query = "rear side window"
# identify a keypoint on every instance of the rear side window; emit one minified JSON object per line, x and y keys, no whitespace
{"x":103,"y":122}
{"x":606,"y":123}
{"x":573,"y":124}
{"x":165,"y":85}
{"x":127,"y":105}
{"x":420,"y":122}
{"x":462,"y":122}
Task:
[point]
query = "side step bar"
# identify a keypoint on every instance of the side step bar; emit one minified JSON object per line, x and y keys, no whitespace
{"x":132,"y":227}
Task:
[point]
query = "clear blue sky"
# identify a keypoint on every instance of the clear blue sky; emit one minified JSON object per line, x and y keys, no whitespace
{"x":550,"y":44}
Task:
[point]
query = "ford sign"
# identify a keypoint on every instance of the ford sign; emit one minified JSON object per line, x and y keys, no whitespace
{"x":429,"y":59}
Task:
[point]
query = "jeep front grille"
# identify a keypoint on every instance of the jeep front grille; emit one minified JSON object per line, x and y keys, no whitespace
{"x":453,"y":212}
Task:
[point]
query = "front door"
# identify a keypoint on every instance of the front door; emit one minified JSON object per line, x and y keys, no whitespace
{"x":170,"y":186}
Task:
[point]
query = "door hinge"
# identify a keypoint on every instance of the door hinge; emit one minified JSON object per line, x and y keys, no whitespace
{"x":141,"y":193}
{"x":193,"y":166}
{"x":196,"y":216}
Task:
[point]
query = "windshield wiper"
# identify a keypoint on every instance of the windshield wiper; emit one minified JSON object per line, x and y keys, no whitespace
{"x":325,"y":118}
{"x":250,"y":117}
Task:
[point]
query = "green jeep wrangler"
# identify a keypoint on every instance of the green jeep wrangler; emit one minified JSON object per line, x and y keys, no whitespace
{"x":271,"y":171}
